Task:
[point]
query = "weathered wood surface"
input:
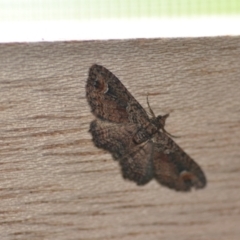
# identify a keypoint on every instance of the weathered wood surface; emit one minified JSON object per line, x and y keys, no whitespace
{"x":56,"y":185}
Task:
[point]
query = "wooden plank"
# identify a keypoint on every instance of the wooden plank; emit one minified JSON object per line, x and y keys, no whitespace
{"x":56,"y":185}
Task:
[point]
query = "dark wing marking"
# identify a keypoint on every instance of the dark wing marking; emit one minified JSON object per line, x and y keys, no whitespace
{"x":110,"y":100}
{"x":173,"y":167}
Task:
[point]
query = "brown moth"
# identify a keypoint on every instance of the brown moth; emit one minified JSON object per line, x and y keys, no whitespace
{"x":139,"y":142}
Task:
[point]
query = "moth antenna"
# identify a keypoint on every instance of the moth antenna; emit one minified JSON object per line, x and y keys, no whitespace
{"x":150,"y":109}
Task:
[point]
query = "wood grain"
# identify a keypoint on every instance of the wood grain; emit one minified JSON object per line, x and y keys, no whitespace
{"x":55,"y":184}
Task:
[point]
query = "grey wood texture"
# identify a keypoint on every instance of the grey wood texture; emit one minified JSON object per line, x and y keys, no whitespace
{"x":55,"y":184}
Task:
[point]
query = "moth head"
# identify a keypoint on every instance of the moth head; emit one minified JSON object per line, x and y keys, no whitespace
{"x":160,"y":121}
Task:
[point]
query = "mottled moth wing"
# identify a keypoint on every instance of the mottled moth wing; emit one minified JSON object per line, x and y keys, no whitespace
{"x":116,"y":138}
{"x":110,"y":100}
{"x":173,"y":167}
{"x":135,"y":159}
{"x":137,"y":163}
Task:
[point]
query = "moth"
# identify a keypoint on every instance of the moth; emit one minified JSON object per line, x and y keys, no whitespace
{"x":139,"y":142}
